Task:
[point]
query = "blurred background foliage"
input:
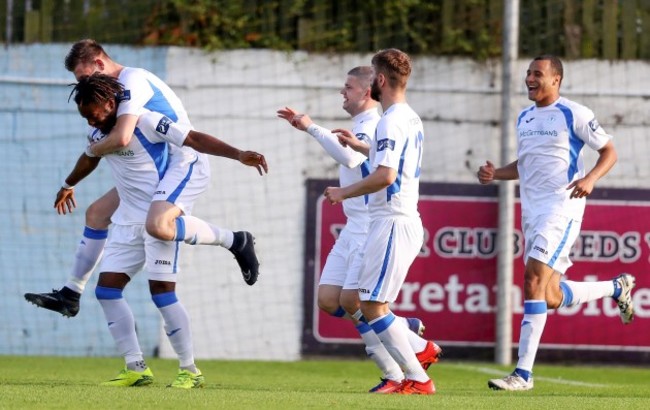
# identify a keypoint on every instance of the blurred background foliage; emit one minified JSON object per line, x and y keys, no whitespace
{"x":607,"y":29}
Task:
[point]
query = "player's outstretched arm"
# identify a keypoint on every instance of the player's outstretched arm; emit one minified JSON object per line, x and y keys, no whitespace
{"x":298,"y":120}
{"x":65,"y":202}
{"x":208,"y":144}
{"x":326,"y":138}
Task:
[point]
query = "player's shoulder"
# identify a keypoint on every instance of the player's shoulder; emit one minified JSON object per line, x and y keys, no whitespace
{"x":579,"y":110}
{"x":136,"y":75}
{"x":150,"y":118}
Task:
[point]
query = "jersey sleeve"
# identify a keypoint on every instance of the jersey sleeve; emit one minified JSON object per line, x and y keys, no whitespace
{"x":588,"y":129}
{"x":389,"y":145}
{"x":137,"y":91}
{"x":345,"y":156}
{"x":93,"y":135}
{"x":158,"y":128}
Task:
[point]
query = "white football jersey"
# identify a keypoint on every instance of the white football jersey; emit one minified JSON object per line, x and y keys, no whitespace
{"x":550,"y":156}
{"x":138,"y":168}
{"x":398,"y":145}
{"x":353,"y":166}
{"x":144,"y":91}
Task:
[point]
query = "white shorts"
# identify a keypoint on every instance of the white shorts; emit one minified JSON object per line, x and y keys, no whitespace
{"x":183,"y":183}
{"x":391,"y":247}
{"x":129,"y":248}
{"x":343,"y":262}
{"x":549,"y":239}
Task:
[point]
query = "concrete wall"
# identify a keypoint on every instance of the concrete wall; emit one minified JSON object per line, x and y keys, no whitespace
{"x":234,"y":96}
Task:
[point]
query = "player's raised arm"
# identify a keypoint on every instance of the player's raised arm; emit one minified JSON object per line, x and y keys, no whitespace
{"x":326,"y":138}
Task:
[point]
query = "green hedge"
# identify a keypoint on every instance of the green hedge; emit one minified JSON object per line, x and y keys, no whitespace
{"x":609,"y":29}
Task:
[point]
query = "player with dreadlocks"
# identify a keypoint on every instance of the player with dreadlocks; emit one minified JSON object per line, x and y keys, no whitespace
{"x":160,"y":163}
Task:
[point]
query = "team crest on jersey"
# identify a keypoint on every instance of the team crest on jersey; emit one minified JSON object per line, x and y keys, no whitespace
{"x":593,"y":124}
{"x":163,"y":125}
{"x":124,"y":95}
{"x":385,"y":144}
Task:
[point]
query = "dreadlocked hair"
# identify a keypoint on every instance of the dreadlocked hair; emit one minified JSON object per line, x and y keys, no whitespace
{"x":96,"y":89}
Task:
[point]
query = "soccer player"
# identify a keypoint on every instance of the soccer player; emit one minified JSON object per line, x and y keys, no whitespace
{"x":161,"y":147}
{"x":339,"y":282}
{"x":553,"y":185}
{"x":143,"y":91}
{"x":395,"y":234}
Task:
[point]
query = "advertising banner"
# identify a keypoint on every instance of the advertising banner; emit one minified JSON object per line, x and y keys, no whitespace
{"x":451,"y":286}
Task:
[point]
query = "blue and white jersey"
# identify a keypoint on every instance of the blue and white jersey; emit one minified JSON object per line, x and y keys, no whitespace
{"x":550,"y":156}
{"x":353,"y":166}
{"x":144,"y":91}
{"x":398,"y":145}
{"x":139,"y":167}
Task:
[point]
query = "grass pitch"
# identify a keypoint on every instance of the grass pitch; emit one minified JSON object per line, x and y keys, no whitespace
{"x":72,"y":383}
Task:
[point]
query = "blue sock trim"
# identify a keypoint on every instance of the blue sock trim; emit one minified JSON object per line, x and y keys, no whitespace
{"x":617,"y":290}
{"x":568,"y":294}
{"x":525,"y":374}
{"x":91,"y":233}
{"x":164,"y":299}
{"x":534,"y":307}
{"x":340,"y":312}
{"x":180,"y":230}
{"x":105,"y":293}
{"x":363,"y":328}
{"x":382,"y":324}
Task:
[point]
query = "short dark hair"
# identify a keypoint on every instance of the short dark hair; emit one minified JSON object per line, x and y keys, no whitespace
{"x":96,"y":89}
{"x":556,"y":63}
{"x":364,"y":73}
{"x":83,"y":51}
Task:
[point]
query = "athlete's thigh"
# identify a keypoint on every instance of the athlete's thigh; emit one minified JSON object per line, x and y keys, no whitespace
{"x":337,"y":262}
{"x":162,"y":259}
{"x":549,"y":239}
{"x":124,"y":251}
{"x":183,"y":183}
{"x":355,"y":263}
{"x":98,"y":214}
{"x":391,"y":248}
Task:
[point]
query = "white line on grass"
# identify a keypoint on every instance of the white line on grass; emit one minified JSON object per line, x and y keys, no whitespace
{"x":557,"y":380}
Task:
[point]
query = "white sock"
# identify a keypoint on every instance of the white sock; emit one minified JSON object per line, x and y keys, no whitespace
{"x":195,"y":231}
{"x":417,"y":343}
{"x":378,"y":353}
{"x":88,"y":253}
{"x":394,"y":338}
{"x":177,"y":327}
{"x":532,"y":327}
{"x":120,"y":321}
{"x":576,"y":293}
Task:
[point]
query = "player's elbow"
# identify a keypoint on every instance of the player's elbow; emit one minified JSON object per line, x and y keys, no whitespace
{"x":123,"y":141}
{"x":351,"y":162}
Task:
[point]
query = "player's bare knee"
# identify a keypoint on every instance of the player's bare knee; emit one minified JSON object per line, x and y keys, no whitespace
{"x":553,"y":298}
{"x":159,"y":230}
{"x":328,"y":305}
{"x":349,"y":303}
{"x":96,"y":217}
